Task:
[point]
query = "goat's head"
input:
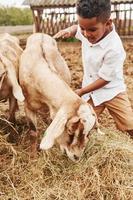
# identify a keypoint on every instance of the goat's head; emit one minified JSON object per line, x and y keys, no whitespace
{"x":70,"y":132}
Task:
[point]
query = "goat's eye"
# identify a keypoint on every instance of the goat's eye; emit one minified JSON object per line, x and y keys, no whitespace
{"x":84,"y":120}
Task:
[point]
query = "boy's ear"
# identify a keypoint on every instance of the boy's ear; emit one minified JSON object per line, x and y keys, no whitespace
{"x":109,"y":22}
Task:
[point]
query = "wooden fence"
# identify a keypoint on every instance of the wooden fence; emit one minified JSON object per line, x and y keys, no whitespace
{"x":122,"y":15}
{"x":51,"y":20}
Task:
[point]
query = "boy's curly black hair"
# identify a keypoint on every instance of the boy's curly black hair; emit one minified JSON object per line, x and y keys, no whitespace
{"x":94,"y":8}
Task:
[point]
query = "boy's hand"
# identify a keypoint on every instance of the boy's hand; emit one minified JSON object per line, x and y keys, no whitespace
{"x":65,"y":33}
{"x":79,"y":92}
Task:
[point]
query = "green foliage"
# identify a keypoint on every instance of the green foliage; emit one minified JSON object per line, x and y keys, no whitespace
{"x":15,"y":16}
{"x":71,"y":40}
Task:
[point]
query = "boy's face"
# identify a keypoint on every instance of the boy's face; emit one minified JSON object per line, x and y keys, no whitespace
{"x":93,"y":29}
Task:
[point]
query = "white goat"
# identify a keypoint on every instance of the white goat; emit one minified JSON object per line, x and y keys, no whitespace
{"x":41,"y":70}
{"x":10,"y":52}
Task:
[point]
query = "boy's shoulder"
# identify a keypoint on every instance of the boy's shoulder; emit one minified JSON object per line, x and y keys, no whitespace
{"x":112,"y":42}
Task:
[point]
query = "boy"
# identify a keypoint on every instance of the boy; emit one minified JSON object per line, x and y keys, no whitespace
{"x":103,"y":56}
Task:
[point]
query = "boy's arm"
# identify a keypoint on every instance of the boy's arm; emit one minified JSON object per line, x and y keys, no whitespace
{"x":99,"y":83}
{"x":67,"y":32}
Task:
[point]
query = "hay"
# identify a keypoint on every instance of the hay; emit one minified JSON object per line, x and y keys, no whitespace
{"x":105,"y":171}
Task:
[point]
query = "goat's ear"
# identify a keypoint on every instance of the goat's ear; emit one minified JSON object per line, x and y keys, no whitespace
{"x":87,"y":117}
{"x":55,"y":129}
{"x":11,"y":73}
{"x":91,"y":120}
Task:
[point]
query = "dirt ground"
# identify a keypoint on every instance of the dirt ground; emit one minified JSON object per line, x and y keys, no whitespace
{"x":17,"y":29}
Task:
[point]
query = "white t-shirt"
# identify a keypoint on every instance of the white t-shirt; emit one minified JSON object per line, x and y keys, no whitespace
{"x":103,"y":60}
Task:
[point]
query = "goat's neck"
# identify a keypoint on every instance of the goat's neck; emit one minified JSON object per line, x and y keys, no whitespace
{"x":70,"y":102}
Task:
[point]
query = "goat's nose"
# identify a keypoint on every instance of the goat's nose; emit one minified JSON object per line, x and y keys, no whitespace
{"x":76,"y":157}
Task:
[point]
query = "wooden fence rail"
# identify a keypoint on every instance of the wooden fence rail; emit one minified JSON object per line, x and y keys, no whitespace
{"x":51,"y":20}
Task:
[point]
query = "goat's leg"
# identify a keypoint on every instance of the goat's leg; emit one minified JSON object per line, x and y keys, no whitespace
{"x":31,"y":116}
{"x":13,"y":107}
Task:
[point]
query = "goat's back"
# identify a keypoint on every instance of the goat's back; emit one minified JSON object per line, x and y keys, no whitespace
{"x":40,"y":81}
